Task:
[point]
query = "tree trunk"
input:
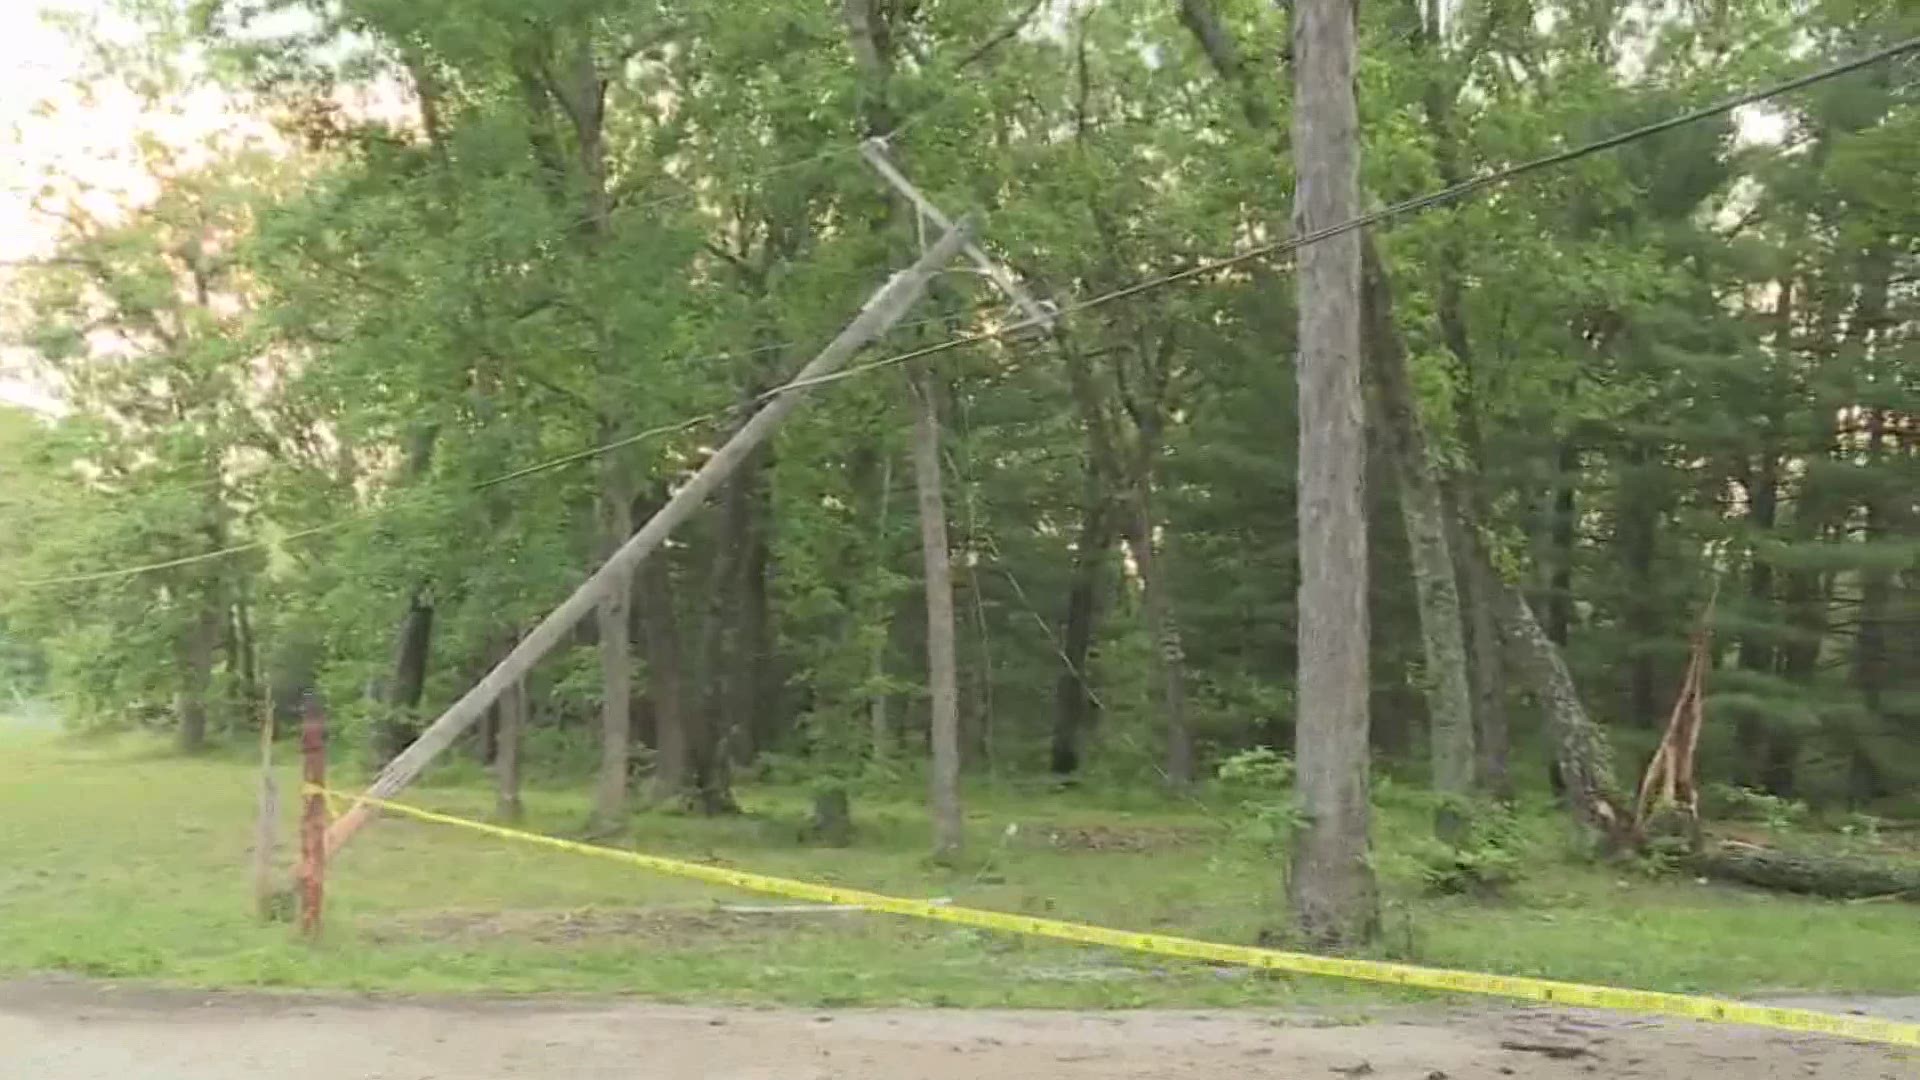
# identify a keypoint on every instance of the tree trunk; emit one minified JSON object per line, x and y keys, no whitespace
{"x":942,"y":673}
{"x":247,"y":650}
{"x":1449,"y":698}
{"x":1169,"y":660}
{"x":659,"y":633}
{"x":880,"y":728}
{"x":752,"y":720}
{"x":1872,"y":663}
{"x":1478,"y":591}
{"x":412,"y":645}
{"x":197,"y":648}
{"x":510,"y":722}
{"x":394,"y":726}
{"x":611,"y":618}
{"x":1560,"y":539}
{"x":1075,"y":703}
{"x":1756,"y":644}
{"x":1486,"y":668}
{"x":1583,"y":759}
{"x":1332,"y":893}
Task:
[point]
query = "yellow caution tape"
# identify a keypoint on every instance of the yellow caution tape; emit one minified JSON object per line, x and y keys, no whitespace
{"x":1549,"y":991}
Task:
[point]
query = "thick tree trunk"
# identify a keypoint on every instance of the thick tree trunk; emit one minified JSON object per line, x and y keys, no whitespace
{"x":1332,"y":893}
{"x":510,"y":723}
{"x":1424,"y":511}
{"x":942,"y":674}
{"x":1833,"y":876}
{"x":1582,"y":757}
{"x":611,"y":618}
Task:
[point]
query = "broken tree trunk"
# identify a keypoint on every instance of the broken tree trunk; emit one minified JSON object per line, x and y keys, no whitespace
{"x":885,"y":308}
{"x":1580,"y":747}
{"x":1667,"y":790}
{"x":1833,"y":876}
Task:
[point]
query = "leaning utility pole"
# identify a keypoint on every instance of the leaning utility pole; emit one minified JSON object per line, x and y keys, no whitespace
{"x":1332,"y":893}
{"x":886,"y":307}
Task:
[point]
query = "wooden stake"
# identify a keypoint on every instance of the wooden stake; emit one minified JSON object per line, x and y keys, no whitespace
{"x":313,"y":818}
{"x":886,"y":307}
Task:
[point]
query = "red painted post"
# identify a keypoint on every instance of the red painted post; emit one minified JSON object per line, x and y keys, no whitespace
{"x":313,"y":817}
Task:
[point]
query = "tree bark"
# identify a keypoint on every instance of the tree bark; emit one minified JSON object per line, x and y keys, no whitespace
{"x":942,"y":674}
{"x":611,"y":618}
{"x":1424,"y":511}
{"x":1332,"y":894}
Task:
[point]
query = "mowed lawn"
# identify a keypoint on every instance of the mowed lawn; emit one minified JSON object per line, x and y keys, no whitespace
{"x":119,"y":860}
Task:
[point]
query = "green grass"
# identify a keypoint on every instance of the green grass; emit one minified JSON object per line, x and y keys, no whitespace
{"x":119,"y":861}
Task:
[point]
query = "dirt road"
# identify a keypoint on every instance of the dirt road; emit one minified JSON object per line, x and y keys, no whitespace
{"x":70,"y":1030}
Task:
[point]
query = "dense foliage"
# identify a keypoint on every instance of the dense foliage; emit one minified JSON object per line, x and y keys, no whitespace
{"x":1683,"y":370}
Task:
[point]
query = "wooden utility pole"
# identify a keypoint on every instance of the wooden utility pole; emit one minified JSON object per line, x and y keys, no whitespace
{"x":1332,"y":893}
{"x":885,"y":308}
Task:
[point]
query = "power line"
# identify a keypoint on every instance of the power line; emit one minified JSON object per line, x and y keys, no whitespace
{"x":1262,"y":251}
{"x":1399,"y":209}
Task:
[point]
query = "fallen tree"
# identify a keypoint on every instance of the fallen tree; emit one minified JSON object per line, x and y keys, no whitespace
{"x":1838,"y":877}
